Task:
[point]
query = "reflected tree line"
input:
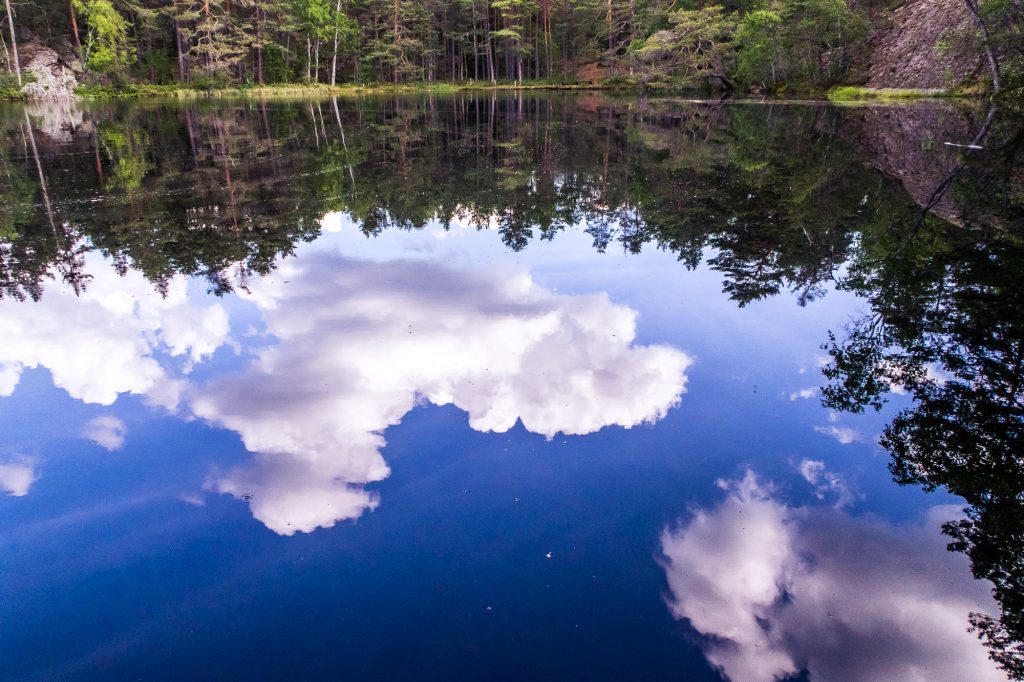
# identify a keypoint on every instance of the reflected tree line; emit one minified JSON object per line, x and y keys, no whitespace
{"x":774,"y":198}
{"x":947,"y":326}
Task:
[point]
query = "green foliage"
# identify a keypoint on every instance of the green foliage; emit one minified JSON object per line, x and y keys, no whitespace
{"x":158,"y":67}
{"x":771,"y":44}
{"x":9,"y":88}
{"x":107,"y":47}
{"x":275,"y":65}
{"x":804,"y":42}
{"x":760,"y":47}
{"x":852,"y":93}
{"x":699,"y":43}
{"x":314,"y":18}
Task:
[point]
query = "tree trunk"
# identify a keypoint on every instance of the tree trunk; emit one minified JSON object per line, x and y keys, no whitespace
{"x":259,"y":45}
{"x":395,"y":33}
{"x":334,"y":56}
{"x":476,"y":47}
{"x":632,"y":32}
{"x":39,"y":168}
{"x":74,"y":29}
{"x":975,"y":12}
{"x":547,"y":35}
{"x":536,"y":53}
{"x":14,"y":42}
{"x":178,"y":39}
{"x":209,"y":36}
{"x":487,"y":45}
{"x":611,"y":31}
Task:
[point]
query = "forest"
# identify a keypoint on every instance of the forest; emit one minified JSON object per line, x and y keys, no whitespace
{"x":763,"y":45}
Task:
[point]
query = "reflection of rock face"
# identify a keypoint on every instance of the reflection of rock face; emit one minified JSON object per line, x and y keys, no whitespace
{"x":779,"y":590}
{"x":58,"y":119}
{"x":53,"y":74}
{"x":905,"y":54}
{"x":908,"y":144}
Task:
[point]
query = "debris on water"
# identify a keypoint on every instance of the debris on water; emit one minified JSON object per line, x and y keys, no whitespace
{"x":548,"y":555}
{"x":963,"y":146}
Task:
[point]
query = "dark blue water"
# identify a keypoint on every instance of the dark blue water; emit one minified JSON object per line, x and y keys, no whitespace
{"x":425,"y":455}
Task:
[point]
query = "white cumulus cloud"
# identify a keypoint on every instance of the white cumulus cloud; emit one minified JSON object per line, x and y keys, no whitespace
{"x":359,"y":344}
{"x":17,"y":477}
{"x":105,"y":430}
{"x":779,"y":590}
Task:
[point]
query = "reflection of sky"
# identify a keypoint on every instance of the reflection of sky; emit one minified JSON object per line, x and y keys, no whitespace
{"x":424,"y":383}
{"x":779,"y":589}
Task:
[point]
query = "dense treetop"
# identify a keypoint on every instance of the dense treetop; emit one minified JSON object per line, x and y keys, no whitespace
{"x":764,"y":44}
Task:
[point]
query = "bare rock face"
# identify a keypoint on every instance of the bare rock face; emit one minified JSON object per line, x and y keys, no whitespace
{"x":53,"y":71}
{"x":906,"y":53}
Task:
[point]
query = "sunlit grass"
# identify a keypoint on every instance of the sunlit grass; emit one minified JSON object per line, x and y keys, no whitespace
{"x":847,"y":93}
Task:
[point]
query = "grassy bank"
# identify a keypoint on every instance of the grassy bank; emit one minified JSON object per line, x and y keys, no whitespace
{"x":10,"y":94}
{"x":842,"y":94}
{"x":853,"y":93}
{"x":132,"y":91}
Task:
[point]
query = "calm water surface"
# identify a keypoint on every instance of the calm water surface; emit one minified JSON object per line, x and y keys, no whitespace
{"x":511,"y":387}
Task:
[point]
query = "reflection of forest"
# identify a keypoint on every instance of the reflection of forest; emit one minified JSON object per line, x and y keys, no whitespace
{"x":772,"y":194}
{"x":947,"y":326}
{"x":773,"y":197}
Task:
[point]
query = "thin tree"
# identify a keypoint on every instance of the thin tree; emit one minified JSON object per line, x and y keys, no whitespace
{"x":974,"y":9}
{"x":14,"y":41}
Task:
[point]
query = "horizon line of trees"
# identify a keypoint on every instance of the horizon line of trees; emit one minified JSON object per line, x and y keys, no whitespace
{"x":206,"y":43}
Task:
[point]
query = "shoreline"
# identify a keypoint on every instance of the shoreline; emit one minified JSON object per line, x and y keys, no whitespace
{"x":837,"y":95}
{"x":302,"y":90}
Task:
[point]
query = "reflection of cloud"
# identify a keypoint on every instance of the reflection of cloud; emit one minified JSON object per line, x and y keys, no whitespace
{"x":291,"y":494}
{"x":360,"y":344}
{"x":892,"y":373}
{"x":844,"y":434}
{"x":803,"y":393}
{"x":818,"y":362}
{"x":778,"y":590}
{"x":101,"y":343}
{"x":17,"y":477}
{"x":105,"y":430}
{"x":827,"y":483}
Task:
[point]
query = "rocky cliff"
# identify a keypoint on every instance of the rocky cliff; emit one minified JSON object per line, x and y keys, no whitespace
{"x":907,"y":51}
{"x":52,"y":71}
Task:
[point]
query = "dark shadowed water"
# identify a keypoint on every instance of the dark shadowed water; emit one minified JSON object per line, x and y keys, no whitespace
{"x":511,"y":387}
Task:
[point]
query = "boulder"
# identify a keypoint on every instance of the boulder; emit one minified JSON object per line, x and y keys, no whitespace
{"x":53,"y":72}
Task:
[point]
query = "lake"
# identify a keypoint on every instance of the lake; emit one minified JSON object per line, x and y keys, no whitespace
{"x":511,"y":386}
